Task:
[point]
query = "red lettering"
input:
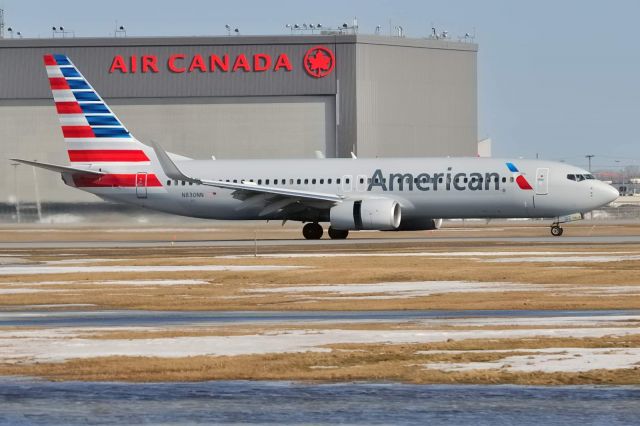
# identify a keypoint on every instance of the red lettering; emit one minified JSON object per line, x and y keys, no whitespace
{"x":241,"y":62}
{"x":133,"y":60}
{"x":283,"y":62}
{"x":171,"y":63}
{"x":149,"y":62}
{"x":261,"y":62}
{"x":216,"y":62}
{"x":198,"y":62}
{"x":118,"y":64}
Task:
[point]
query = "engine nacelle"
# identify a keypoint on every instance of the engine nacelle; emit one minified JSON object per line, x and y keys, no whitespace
{"x":419,"y":224}
{"x":380,"y":214}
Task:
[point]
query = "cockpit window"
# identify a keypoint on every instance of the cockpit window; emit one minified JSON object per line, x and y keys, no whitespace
{"x":589,"y":176}
{"x":579,"y":178}
{"x":571,"y":177}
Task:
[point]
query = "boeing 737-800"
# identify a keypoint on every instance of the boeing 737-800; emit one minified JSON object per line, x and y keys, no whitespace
{"x":392,"y":194}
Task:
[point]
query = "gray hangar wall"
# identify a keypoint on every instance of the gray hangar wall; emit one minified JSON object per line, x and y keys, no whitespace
{"x":385,"y":97}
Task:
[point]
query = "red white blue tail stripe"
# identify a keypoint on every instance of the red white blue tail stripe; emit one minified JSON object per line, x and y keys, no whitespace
{"x":92,"y":131}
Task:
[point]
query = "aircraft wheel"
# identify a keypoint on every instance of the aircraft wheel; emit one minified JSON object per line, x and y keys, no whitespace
{"x":338,"y":234}
{"x":556,"y":231}
{"x":312,"y":231}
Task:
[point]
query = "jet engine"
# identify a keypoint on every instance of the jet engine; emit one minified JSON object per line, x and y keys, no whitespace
{"x":380,"y":214}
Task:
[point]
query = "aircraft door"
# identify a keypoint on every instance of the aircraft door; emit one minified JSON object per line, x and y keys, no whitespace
{"x":141,"y":185}
{"x":347,"y":183}
{"x":542,"y":181}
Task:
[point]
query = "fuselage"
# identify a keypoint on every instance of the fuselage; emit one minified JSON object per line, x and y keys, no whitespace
{"x":424,"y":187}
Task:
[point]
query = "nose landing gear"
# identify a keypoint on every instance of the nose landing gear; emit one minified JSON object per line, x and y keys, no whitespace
{"x":556,"y":230}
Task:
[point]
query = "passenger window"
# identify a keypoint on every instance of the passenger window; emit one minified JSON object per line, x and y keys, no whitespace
{"x":266,"y":181}
{"x":329,"y":181}
{"x":290,"y":181}
{"x":168,"y":183}
{"x":306,"y":181}
{"x":184,"y":183}
{"x":259,"y":181}
{"x":511,"y":179}
{"x":299,"y":181}
{"x":313,"y":181}
{"x":504,"y":180}
{"x":190,"y":183}
{"x":235,"y":181}
{"x":347,"y":180}
{"x":321,"y":181}
{"x":175,"y":182}
{"x":338,"y":181}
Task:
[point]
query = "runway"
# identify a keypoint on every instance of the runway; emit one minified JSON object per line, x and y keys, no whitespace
{"x":132,"y":243}
{"x":133,"y":318}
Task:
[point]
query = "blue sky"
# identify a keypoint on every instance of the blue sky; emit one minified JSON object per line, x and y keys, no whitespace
{"x":556,"y":78}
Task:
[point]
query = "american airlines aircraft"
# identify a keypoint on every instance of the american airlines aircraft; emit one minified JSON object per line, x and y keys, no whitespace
{"x":393,"y":194}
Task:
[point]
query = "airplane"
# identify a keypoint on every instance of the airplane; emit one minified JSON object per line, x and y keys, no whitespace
{"x":386,"y":194}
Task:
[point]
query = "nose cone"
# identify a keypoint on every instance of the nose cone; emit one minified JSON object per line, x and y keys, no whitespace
{"x":604,"y":193}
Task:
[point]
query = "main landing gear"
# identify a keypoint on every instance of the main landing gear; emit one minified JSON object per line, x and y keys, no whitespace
{"x":313,"y":231}
{"x":556,"y":231}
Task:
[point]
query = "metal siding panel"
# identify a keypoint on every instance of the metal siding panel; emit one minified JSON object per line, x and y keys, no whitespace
{"x":416,"y":101}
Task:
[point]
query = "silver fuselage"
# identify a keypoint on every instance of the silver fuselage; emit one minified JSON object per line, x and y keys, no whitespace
{"x":424,"y":187}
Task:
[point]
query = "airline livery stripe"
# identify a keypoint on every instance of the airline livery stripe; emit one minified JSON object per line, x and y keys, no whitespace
{"x":77,"y":132}
{"x":512,"y":167}
{"x":78,"y":84}
{"x":54,"y":71}
{"x":70,"y":72}
{"x":523,"y":183}
{"x":110,"y":132}
{"x":73,"y":120}
{"x":94,"y":108}
{"x":107,"y":155}
{"x":63,"y":96}
{"x":68,"y":108}
{"x":58,"y":83}
{"x":61,"y":59}
{"x":103,"y":120}
{"x":86,"y":96}
{"x":49,"y":60}
{"x":113,"y":180}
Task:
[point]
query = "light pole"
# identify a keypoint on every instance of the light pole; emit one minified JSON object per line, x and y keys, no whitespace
{"x":589,"y":156}
{"x":15,"y":189}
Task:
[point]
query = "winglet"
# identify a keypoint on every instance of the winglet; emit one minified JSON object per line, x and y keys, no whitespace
{"x":169,"y":167}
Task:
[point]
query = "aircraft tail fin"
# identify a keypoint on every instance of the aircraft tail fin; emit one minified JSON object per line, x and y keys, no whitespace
{"x":92,"y":132}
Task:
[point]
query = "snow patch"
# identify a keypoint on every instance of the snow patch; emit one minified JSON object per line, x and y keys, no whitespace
{"x":553,"y":360}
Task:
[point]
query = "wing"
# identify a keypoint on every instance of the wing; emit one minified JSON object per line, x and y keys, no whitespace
{"x":273,"y":198}
{"x":57,"y":168}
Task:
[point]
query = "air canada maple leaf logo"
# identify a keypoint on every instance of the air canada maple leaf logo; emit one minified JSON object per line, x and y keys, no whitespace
{"x":319,"y":61}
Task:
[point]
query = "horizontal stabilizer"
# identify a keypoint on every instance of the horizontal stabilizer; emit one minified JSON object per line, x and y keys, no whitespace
{"x":57,"y":168}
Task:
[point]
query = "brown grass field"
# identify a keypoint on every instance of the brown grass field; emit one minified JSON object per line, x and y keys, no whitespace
{"x":567,"y":286}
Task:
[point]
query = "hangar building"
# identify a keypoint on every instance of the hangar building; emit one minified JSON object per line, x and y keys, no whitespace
{"x":245,"y":96}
